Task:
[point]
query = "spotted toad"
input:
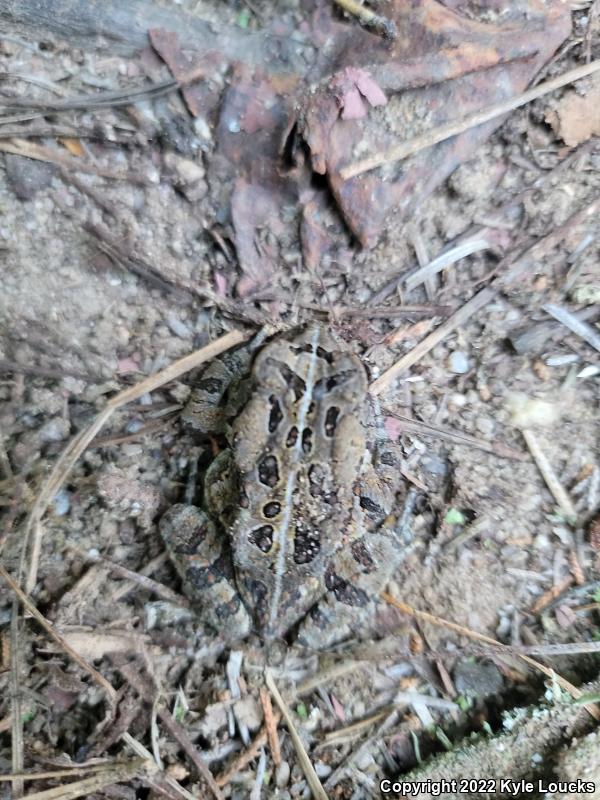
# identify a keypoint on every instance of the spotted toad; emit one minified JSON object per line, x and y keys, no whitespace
{"x":294,"y":532}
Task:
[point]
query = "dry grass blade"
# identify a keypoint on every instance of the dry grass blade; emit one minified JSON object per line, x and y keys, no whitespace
{"x":444,"y":132}
{"x":30,"y":607}
{"x":151,"y":567}
{"x":570,"y":321}
{"x":425,"y":429}
{"x":80,"y":442}
{"x":369,"y":19}
{"x":552,"y":594}
{"x":566,"y":649}
{"x":551,"y":479}
{"x":181,"y":736}
{"x":16,"y":721}
{"x":329,"y":674}
{"x":471,"y":307}
{"x":248,"y":755}
{"x":88,"y":786}
{"x":74,"y":770}
{"x":443,"y":261}
{"x":39,"y":152}
{"x":424,"y":616}
{"x":389,"y":722}
{"x":311,"y":776}
{"x":110,"y":99}
{"x":136,"y":578}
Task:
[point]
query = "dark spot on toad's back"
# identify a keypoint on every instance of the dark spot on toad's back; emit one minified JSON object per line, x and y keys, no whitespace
{"x":268,"y":473}
{"x":262,"y":537}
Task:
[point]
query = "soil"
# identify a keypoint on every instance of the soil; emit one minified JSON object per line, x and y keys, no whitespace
{"x":491,"y":550}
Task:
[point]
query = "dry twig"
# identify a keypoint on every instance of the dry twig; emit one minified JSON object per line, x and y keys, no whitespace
{"x":445,"y":434}
{"x":180,"y":735}
{"x":459,"y":317}
{"x":551,"y":479}
{"x":573,"y":323}
{"x":248,"y":755}
{"x":271,"y":725}
{"x":110,"y":775}
{"x":369,"y":19}
{"x":311,"y":776}
{"x":551,"y":595}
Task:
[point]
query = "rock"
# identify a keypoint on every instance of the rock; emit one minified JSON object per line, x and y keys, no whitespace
{"x":55,"y":430}
{"x":477,"y":679}
{"x":27,"y":177}
{"x":61,"y":502}
{"x":458,"y":362}
{"x":189,"y":176}
{"x":282,"y":775}
{"x":178,"y":327}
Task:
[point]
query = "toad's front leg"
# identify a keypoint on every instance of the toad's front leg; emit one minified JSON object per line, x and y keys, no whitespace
{"x":201,"y":556}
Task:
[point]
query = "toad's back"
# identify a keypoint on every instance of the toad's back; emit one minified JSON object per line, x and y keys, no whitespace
{"x":298,"y":447}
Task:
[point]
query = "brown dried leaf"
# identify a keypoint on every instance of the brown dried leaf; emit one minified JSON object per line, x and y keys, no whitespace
{"x":350,"y":86}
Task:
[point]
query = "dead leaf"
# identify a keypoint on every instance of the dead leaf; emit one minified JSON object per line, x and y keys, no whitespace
{"x":74,"y":146}
{"x":350,"y":86}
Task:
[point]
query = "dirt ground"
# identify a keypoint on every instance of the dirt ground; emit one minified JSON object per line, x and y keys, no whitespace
{"x":119,"y":255}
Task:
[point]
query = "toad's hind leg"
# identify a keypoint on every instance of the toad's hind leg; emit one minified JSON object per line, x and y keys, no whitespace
{"x":360,"y":568}
{"x":353,"y":582}
{"x":200,"y":555}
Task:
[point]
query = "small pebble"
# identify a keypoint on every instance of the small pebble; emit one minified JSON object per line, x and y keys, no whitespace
{"x":322,"y":770}
{"x":364,"y":761}
{"x":485,"y":425}
{"x":248,"y":712}
{"x":188,"y":171}
{"x":202,"y":129}
{"x":458,"y":362}
{"x":55,"y":430}
{"x":178,"y":327}
{"x":484,"y":393}
{"x":504,"y":627}
{"x":529,"y":411}
{"x":457,"y":400}
{"x":282,"y":775}
{"x":562,"y":360}
{"x":134,"y":426}
{"x":26,"y":177}
{"x":61,"y":502}
{"x":542,"y":542}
